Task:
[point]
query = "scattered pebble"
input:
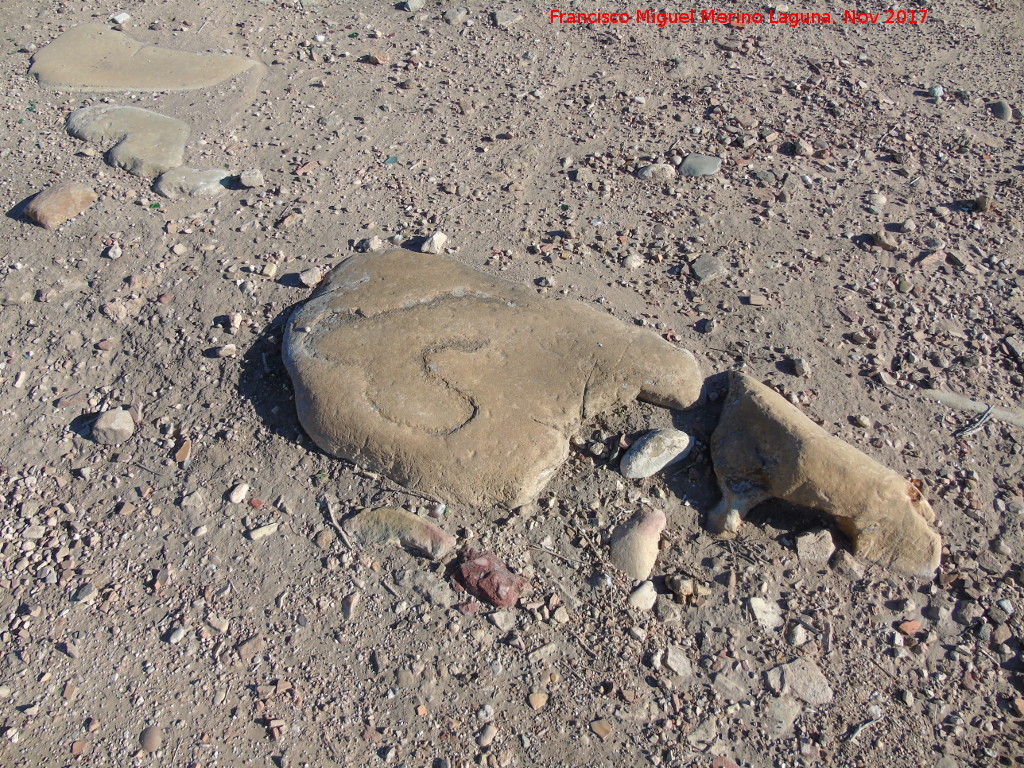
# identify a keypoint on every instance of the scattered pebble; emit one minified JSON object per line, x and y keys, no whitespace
{"x":700,"y":165}
{"x":506,"y":19}
{"x":435,"y":243}
{"x":654,"y":451}
{"x":256,"y":534}
{"x":815,"y":546}
{"x":766,"y":612}
{"x":113,"y":427}
{"x":151,"y":738}
{"x":707,"y":268}
{"x":238,"y":493}
{"x":487,"y":578}
{"x":885,"y":240}
{"x":644,"y":596}
{"x":1001,"y":110}
{"x":802,"y":679}
{"x":659,"y":172}
{"x":602,"y":728}
{"x":192,"y":182}
{"x":251,"y":178}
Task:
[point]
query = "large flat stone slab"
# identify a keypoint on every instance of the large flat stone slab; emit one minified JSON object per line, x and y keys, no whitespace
{"x":91,"y":57}
{"x":142,"y":142}
{"x":461,"y":385}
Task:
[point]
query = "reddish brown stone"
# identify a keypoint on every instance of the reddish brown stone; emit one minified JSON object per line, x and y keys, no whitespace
{"x":487,"y":578}
{"x":52,"y":207}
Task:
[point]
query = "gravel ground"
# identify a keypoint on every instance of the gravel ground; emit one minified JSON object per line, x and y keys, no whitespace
{"x":860,"y":245}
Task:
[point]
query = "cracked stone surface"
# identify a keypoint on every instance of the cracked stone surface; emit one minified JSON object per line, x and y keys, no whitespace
{"x":461,"y":385}
{"x":144,"y":143}
{"x":92,"y":57}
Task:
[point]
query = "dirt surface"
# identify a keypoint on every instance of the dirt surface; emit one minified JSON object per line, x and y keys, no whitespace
{"x":148,"y":619}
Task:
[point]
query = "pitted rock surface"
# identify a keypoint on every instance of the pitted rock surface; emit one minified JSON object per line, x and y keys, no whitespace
{"x":461,"y":385}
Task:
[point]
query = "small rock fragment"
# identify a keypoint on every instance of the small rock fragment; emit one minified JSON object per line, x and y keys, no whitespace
{"x":370,"y":245}
{"x":766,"y":612}
{"x":349,"y":604}
{"x":537,"y":700}
{"x":707,"y":268}
{"x":885,"y":241}
{"x":797,"y":635}
{"x":488,"y":579}
{"x":487,"y":735}
{"x":456,"y":15}
{"x":251,"y":178}
{"x":376,"y":526}
{"x":238,"y":493}
{"x":194,"y":500}
{"x":644,"y":597}
{"x":113,"y":427}
{"x":700,"y":165}
{"x":262,"y":531}
{"x":435,"y":243}
{"x":151,"y":738}
{"x":226,"y":350}
{"x":780,"y":715}
{"x":654,"y":451}
{"x":1001,"y":110}
{"x":815,"y":546}
{"x":311,"y":277}
{"x":677,"y":661}
{"x":848,"y":565}
{"x":800,"y":367}
{"x":658,"y":172}
{"x":805,"y":681}
{"x":633,"y":260}
{"x":634,"y":545}
{"x":506,"y":19}
{"x":192,"y":182}
{"x":602,"y":728}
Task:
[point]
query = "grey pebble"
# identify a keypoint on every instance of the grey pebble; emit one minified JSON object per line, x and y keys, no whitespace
{"x":700,"y":165}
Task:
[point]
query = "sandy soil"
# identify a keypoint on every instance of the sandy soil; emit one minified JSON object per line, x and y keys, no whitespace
{"x":129,"y":602}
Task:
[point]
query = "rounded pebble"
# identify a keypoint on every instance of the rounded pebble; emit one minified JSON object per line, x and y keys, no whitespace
{"x":151,"y":738}
{"x":655,"y":451}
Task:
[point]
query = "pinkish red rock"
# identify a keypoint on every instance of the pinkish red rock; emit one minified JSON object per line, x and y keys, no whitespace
{"x":487,"y":578}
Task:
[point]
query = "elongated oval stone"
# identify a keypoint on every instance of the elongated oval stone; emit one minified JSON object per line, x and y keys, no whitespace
{"x":654,"y":451}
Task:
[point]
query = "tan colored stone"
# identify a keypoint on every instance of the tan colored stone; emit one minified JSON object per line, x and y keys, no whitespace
{"x":634,"y":545}
{"x":144,"y":143}
{"x":92,"y":57}
{"x":461,"y":385}
{"x":192,"y":182}
{"x":765,"y":448}
{"x":380,"y":526}
{"x":59,"y":203}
